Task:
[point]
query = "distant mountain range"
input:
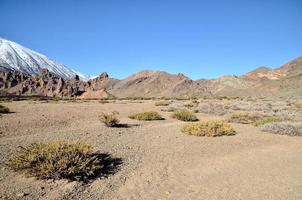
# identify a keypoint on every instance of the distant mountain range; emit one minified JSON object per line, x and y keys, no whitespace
{"x":23,"y":73}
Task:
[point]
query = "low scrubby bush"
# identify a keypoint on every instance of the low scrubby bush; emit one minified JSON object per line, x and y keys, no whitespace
{"x":184,"y":115}
{"x":284,"y":128}
{"x":146,"y":116}
{"x":210,"y":128}
{"x":57,"y":160}
{"x":109,"y":119}
{"x":162,"y":103}
{"x":4,"y":109}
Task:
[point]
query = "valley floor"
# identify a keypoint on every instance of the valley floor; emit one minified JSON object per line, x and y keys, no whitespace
{"x":159,"y":162}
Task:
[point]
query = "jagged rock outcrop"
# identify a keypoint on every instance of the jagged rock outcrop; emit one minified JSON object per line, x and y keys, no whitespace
{"x":103,"y":81}
{"x":45,"y":84}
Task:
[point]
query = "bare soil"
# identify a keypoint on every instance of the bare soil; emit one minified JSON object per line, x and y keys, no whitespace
{"x":158,"y":161}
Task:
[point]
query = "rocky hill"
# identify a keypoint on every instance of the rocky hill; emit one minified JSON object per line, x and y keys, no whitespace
{"x":156,"y":84}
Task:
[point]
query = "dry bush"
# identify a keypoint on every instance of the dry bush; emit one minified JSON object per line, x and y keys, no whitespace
{"x":162,"y":103}
{"x":184,"y":115}
{"x":4,"y":109}
{"x":256,"y":119}
{"x":146,"y":116}
{"x":109,"y":119}
{"x":214,"y":109}
{"x":284,"y":128}
{"x":268,"y":119}
{"x":245,"y":117}
{"x":210,"y":128}
{"x":57,"y":160}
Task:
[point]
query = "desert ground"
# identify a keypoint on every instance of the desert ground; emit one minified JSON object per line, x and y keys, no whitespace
{"x":151,"y":159}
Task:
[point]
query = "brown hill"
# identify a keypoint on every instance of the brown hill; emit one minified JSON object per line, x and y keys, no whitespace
{"x":283,"y":81}
{"x":156,"y":84}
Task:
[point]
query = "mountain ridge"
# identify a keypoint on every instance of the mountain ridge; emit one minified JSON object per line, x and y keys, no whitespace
{"x":146,"y":83}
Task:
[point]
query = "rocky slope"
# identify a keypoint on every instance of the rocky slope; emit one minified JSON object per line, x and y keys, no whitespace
{"x":283,"y":81}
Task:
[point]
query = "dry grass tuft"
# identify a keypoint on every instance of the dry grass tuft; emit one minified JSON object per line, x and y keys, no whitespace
{"x":4,"y":109}
{"x":184,"y":115}
{"x":146,"y":116}
{"x":212,"y":128}
{"x":110,"y":119}
{"x":57,"y":160}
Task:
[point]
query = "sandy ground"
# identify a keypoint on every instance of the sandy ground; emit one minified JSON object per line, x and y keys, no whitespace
{"x":159,"y":162}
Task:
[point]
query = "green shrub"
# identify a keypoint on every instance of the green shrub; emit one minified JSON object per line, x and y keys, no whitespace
{"x":146,"y":116}
{"x":109,"y":119}
{"x":4,"y":109}
{"x":184,"y":115}
{"x":57,"y":160}
{"x":162,"y":103}
{"x":210,"y":128}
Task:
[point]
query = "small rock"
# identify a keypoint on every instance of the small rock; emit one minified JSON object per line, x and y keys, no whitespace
{"x":23,"y":194}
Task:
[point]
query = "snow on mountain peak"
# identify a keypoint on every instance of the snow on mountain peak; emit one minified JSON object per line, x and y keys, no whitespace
{"x":16,"y":57}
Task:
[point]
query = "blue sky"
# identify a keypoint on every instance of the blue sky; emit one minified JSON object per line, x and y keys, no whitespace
{"x":200,"y":38}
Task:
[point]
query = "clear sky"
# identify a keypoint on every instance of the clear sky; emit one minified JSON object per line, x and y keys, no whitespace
{"x":200,"y":38}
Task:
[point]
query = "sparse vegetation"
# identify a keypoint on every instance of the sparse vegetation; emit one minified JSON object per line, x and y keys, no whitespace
{"x":146,"y":116}
{"x":110,"y":119}
{"x":184,"y":115}
{"x":162,"y":103}
{"x":57,"y":160}
{"x":210,"y":128}
{"x":284,"y":128}
{"x":4,"y":109}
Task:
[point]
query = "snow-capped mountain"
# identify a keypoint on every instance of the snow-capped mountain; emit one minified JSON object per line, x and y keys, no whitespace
{"x":16,"y":57}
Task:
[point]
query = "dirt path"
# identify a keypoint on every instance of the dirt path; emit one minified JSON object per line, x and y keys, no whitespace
{"x":159,"y":162}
